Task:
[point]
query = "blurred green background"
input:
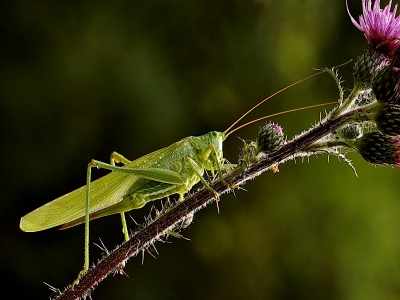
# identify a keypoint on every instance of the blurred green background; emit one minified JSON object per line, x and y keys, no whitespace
{"x":79,"y":80}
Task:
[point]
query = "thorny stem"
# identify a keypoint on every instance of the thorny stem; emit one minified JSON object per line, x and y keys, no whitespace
{"x":153,"y":232}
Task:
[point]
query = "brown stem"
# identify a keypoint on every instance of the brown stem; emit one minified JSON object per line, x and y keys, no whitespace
{"x":152,"y":232}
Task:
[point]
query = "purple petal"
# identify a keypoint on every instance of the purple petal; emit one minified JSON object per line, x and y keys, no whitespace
{"x":381,"y":27}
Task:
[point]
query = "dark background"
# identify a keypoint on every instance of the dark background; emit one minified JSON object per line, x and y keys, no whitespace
{"x":80,"y":80}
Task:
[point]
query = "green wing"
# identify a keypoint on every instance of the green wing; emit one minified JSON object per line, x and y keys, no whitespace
{"x":105,"y":192}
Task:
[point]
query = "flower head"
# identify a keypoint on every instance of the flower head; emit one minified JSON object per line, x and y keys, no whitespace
{"x":386,"y":84}
{"x":388,"y":119}
{"x":270,"y":138}
{"x":379,"y":149}
{"x":381,"y":27}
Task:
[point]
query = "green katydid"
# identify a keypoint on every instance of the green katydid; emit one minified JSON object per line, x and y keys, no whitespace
{"x":171,"y":170}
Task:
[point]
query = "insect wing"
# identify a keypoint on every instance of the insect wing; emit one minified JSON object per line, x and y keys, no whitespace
{"x":105,"y":192}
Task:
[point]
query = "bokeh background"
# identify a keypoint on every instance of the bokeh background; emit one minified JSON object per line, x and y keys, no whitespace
{"x":80,"y":79}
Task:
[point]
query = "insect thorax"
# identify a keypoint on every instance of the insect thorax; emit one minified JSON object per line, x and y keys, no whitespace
{"x":206,"y":145}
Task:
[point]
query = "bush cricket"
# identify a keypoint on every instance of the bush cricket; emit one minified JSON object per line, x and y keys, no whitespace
{"x":171,"y":170}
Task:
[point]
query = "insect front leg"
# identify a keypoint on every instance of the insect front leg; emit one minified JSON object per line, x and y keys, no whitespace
{"x":220,"y":166}
{"x":193,"y":165}
{"x":118,"y":158}
{"x":217,"y":163}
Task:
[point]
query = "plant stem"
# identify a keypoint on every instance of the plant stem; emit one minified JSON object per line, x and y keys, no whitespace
{"x":155,"y":230}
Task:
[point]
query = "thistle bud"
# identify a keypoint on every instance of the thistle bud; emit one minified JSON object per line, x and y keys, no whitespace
{"x":350,"y":132}
{"x":270,"y":138}
{"x":385,"y":85}
{"x":367,"y":65}
{"x":388,"y":119}
{"x":379,"y":149}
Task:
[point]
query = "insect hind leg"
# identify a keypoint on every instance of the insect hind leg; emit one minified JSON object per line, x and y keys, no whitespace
{"x":91,"y":165}
{"x":115,"y":157}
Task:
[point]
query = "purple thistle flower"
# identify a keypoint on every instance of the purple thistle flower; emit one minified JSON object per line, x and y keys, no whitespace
{"x":381,"y":27}
{"x":277,"y":127}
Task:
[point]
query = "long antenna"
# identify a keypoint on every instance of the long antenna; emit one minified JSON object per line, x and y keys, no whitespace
{"x":277,"y":114}
{"x":276,"y":93}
